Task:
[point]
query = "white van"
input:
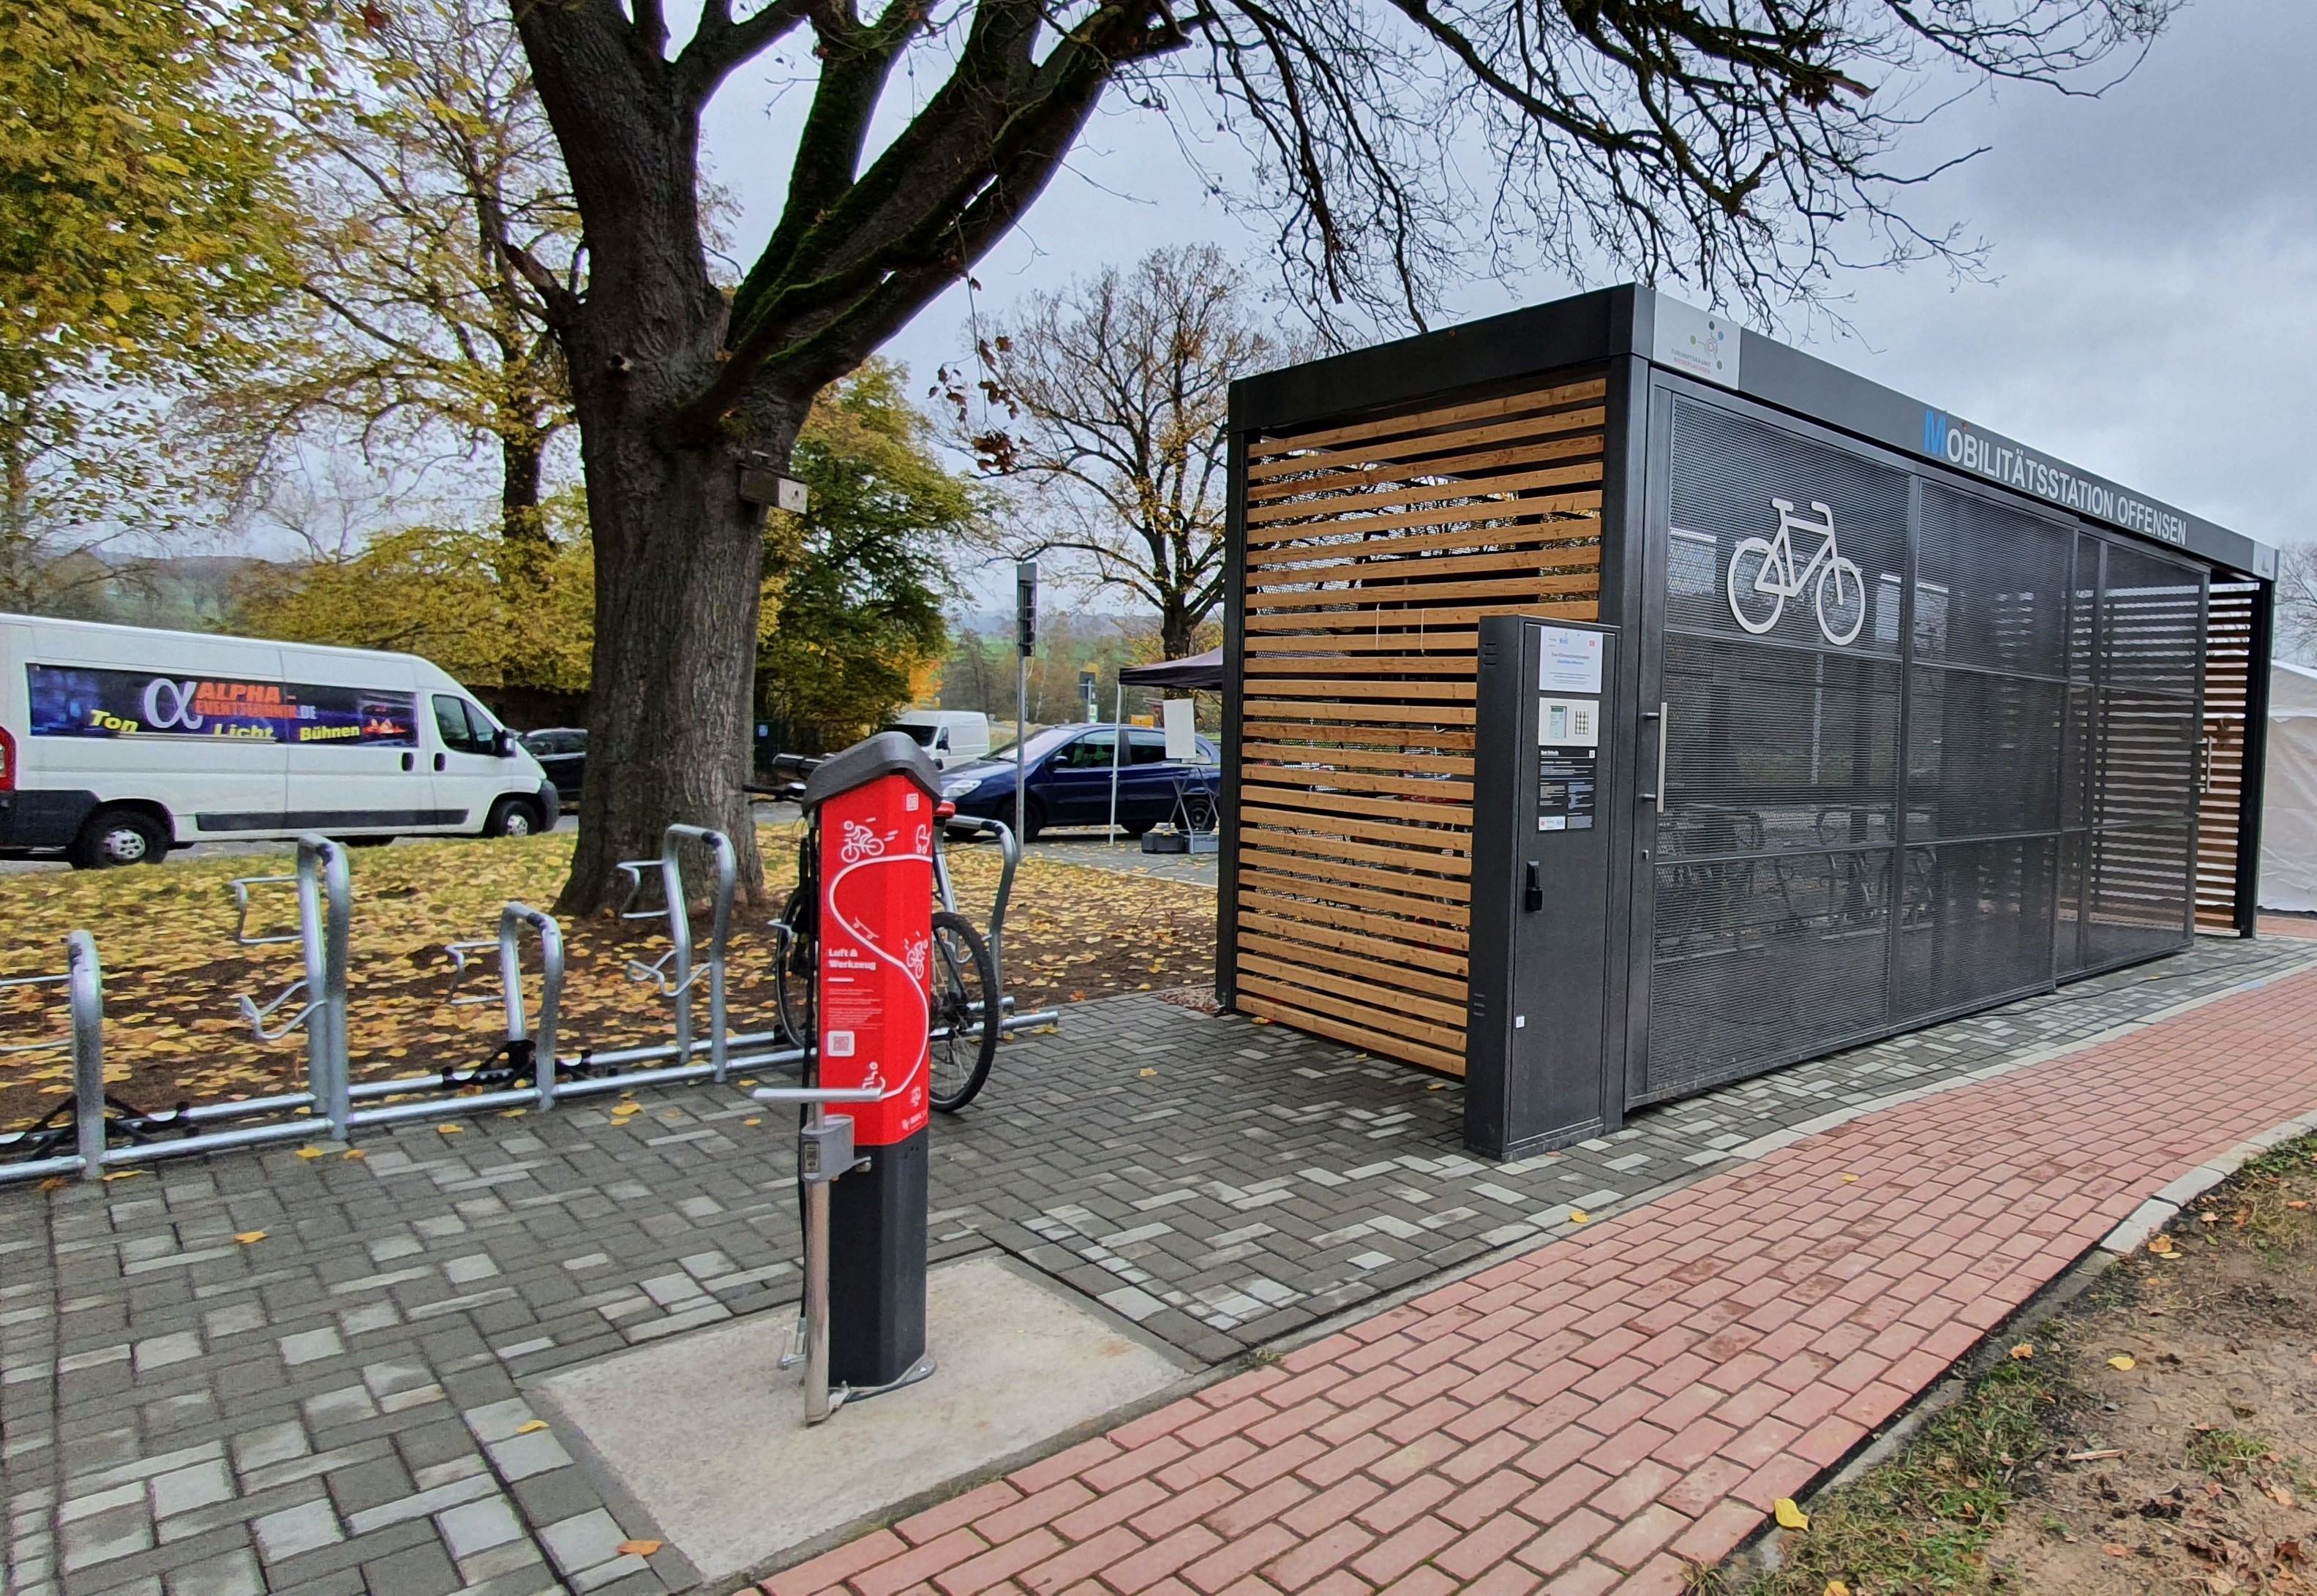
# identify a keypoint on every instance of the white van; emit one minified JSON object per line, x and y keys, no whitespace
{"x":952,"y":736}
{"x":118,"y":743}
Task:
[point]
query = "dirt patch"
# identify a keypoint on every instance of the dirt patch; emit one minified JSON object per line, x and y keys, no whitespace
{"x":2158,"y":1434}
{"x":172,"y":970}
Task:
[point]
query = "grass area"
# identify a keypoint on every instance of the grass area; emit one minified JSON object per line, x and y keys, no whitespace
{"x":164,"y":935}
{"x":2141,"y":1438}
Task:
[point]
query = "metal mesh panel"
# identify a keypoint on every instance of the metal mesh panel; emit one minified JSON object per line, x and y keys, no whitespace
{"x":1762,"y":959}
{"x":2151,"y":623}
{"x":1992,"y":586}
{"x":2140,"y":893}
{"x":1728,"y":476}
{"x":1976,"y":922}
{"x":2039,"y":826}
{"x":1983,"y":754}
{"x":1776,"y":748}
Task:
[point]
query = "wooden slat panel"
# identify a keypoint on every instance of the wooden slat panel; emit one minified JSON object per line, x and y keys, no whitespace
{"x":1337,"y":1030}
{"x":1434,"y":864}
{"x":2228,"y":667}
{"x":1386,"y":943}
{"x":1424,"y":917}
{"x":1354,"y":758}
{"x":1361,"y":960}
{"x":1322,"y":869}
{"x":1416,"y":450}
{"x":1510,"y":404}
{"x":1389,"y":1021}
{"x":1372,"y":551}
{"x":1368,"y":621}
{"x":1374,"y":558}
{"x":1392,"y":584}
{"x":1306,"y":783}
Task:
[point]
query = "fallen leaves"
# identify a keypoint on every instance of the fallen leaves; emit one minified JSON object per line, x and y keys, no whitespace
{"x":638,"y":1548}
{"x":309,"y":1152}
{"x":1789,"y":1516}
{"x":531,"y":1427}
{"x":249,"y":1237}
{"x":2024,"y":1351}
{"x":2160,"y":1244}
{"x":2122,"y":1363}
{"x":1579,"y":1217}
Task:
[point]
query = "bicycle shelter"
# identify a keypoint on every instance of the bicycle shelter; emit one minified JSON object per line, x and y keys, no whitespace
{"x":1890,"y":718}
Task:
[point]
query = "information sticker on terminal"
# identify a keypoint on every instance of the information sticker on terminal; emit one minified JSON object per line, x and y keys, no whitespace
{"x":1568,"y":762}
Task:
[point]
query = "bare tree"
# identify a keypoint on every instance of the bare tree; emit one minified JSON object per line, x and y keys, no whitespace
{"x":2296,"y":602}
{"x":1736,"y":141}
{"x":1114,"y":392}
{"x":429,"y":171}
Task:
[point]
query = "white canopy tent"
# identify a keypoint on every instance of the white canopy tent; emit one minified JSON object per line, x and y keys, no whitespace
{"x":2288,"y":814}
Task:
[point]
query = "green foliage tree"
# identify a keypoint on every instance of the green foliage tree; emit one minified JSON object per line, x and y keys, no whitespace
{"x":443,"y":592}
{"x":852,"y":598}
{"x":146,"y":231}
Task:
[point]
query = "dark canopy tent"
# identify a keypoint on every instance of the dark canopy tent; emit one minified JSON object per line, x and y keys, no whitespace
{"x":1200,"y":673}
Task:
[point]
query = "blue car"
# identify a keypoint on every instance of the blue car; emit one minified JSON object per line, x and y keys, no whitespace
{"x":1068,"y":778}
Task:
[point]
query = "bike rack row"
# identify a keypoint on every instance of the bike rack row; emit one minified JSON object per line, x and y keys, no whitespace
{"x":106,"y":1134}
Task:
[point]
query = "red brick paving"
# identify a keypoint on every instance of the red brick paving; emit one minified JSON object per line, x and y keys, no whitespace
{"x":1587,"y":1416}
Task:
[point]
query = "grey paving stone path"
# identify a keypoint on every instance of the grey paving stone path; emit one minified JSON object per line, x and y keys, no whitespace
{"x":338,"y":1405}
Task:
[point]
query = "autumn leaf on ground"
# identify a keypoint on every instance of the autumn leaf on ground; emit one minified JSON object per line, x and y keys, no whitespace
{"x":638,"y":1548}
{"x":309,"y":1152}
{"x":2160,"y":1244}
{"x":1788,"y":1515}
{"x":246,"y":1236}
{"x":1579,"y":1217}
{"x":532,"y":1427}
{"x":2024,"y":1351}
{"x":2122,"y":1363}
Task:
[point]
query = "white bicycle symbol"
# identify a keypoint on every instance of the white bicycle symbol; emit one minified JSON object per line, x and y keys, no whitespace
{"x":860,"y":843}
{"x":1763,"y":568}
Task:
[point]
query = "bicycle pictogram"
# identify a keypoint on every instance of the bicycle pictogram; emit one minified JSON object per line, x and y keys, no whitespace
{"x":860,"y":843}
{"x":1762,"y":578}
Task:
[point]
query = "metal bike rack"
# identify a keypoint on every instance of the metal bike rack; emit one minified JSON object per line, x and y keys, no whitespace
{"x":526,"y":1047}
{"x":83,"y":984}
{"x":675,"y":984}
{"x":333,"y":1106}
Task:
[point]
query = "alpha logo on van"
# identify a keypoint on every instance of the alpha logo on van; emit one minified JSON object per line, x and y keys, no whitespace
{"x":83,"y":702}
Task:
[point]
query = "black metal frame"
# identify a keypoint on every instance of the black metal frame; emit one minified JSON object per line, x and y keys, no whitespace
{"x":1613,"y":330}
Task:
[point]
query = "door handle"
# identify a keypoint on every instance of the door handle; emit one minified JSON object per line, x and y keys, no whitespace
{"x":1663,"y":719}
{"x":438,"y":762}
{"x":409,"y":761}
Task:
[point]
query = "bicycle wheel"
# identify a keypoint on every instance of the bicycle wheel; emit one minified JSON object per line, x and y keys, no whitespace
{"x":1753,"y":608}
{"x":792,"y":976}
{"x":1842,"y":619}
{"x":963,"y":1012}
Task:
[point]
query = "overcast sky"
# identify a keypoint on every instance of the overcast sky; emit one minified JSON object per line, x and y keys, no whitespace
{"x":2150,"y":317}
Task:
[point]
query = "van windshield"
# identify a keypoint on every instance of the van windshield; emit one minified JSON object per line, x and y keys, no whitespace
{"x":922,"y":736}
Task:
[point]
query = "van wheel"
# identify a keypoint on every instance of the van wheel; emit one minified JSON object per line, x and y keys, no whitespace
{"x":511,"y":817}
{"x":116,"y":837}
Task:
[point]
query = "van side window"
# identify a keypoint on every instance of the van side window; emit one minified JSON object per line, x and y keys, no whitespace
{"x":461,"y":725}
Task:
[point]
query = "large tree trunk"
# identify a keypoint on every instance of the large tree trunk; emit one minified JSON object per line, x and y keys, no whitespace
{"x":678,"y":564}
{"x":521,"y":527}
{"x":1175,"y":631}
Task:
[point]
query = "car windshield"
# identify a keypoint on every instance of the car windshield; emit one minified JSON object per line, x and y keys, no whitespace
{"x":1040,"y":744}
{"x":922,"y":736}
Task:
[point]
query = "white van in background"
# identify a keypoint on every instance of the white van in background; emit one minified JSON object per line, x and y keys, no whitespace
{"x":118,"y":743}
{"x":952,"y":736}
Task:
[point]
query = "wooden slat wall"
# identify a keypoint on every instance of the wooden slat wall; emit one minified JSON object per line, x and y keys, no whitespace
{"x":2228,"y":682}
{"x":1373,"y":550}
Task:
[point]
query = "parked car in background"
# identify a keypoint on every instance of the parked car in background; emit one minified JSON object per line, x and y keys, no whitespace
{"x":561,"y":752}
{"x":120,"y":743}
{"x":953,"y":737}
{"x":1067,"y":780}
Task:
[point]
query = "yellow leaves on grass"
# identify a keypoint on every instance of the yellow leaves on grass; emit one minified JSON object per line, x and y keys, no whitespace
{"x":1788,"y":1515}
{"x":2122,"y":1363}
{"x":2161,"y":1245}
{"x":2024,"y":1351}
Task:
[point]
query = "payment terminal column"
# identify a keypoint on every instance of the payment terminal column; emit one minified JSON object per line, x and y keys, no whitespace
{"x":1543,"y":842}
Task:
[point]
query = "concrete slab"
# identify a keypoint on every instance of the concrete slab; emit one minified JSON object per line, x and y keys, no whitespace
{"x":706,"y":1434}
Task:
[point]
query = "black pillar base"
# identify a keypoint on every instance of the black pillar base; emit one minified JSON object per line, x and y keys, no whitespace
{"x":877,"y":1265}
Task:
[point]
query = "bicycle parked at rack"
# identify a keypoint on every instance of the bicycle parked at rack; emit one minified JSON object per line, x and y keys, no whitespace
{"x":964,"y":1009}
